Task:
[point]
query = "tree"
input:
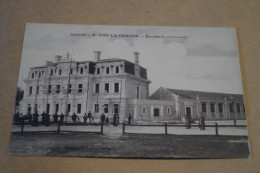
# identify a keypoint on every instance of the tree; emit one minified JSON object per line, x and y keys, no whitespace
{"x":19,"y":96}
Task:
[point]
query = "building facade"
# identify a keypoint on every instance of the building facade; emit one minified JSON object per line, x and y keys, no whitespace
{"x":196,"y":103}
{"x":117,"y":86}
{"x":101,"y":86}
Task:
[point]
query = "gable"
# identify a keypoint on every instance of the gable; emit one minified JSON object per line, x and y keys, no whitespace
{"x":162,"y":94}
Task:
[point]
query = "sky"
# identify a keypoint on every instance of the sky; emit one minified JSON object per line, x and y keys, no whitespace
{"x":190,"y":58}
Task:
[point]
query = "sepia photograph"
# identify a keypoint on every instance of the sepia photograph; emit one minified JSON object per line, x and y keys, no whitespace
{"x":116,"y":91}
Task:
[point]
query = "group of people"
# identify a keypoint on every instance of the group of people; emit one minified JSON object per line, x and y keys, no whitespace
{"x":202,"y":125}
{"x":105,"y":120}
{"x":88,"y":116}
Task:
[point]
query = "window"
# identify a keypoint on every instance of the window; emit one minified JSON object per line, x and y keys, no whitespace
{"x":68,"y":107}
{"x":212,"y":107}
{"x":79,"y":108}
{"x":30,"y":90}
{"x":49,"y":89}
{"x":69,"y":89}
{"x":117,"y":69}
{"x":97,"y":88}
{"x":168,"y":111}
{"x":51,"y":72}
{"x":32,"y":75}
{"x":98,"y":70}
{"x":96,"y":108}
{"x":220,"y":108}
{"x":42,"y":73}
{"x":105,"y":108}
{"x":59,"y":71}
{"x":204,"y":107}
{"x":231,"y":108}
{"x":107,"y":87}
{"x":37,"y":89}
{"x":80,"y":88}
{"x":57,"y":88}
{"x":116,"y":87}
{"x":144,"y":111}
{"x":56,"y":108}
{"x":107,"y":70}
{"x":238,"y":108}
{"x":81,"y":70}
{"x":39,"y":75}
{"x":137,"y":92}
{"x":71,"y":70}
{"x":116,"y":108}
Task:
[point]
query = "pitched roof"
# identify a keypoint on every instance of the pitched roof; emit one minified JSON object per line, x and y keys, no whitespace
{"x":188,"y":94}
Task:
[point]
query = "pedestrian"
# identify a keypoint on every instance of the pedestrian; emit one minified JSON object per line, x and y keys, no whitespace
{"x":203,"y":126}
{"x":85,"y":118}
{"x":35,"y":119}
{"x":74,"y":118}
{"x":55,"y":118}
{"x":129,"y":119}
{"x":107,"y":121}
{"x":116,"y":120}
{"x":188,"y":122}
{"x":90,"y":117}
{"x":29,"y":115}
{"x":43,"y":117}
{"x":16,"y":117}
{"x":61,"y":118}
{"x":103,"y":117}
{"x":47,"y":119}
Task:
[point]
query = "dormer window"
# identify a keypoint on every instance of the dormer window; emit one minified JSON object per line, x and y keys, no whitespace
{"x":81,"y":70}
{"x":98,"y":70}
{"x":117,"y":69}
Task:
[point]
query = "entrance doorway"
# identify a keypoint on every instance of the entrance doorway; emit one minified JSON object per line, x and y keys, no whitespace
{"x":156,"y":112}
{"x":188,"y":112}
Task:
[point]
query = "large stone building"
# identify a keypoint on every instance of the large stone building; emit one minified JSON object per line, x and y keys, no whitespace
{"x":117,"y":86}
{"x":102,"y":86}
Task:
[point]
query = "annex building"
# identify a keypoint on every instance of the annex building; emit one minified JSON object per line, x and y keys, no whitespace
{"x":117,"y":86}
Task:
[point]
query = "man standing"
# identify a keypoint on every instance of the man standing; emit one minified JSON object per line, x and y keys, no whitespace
{"x":90,"y":116}
{"x":61,"y":118}
{"x":85,"y":118}
{"x":29,"y":117}
{"x":103,"y":117}
{"x":203,"y":126}
{"x":129,"y":119}
{"x":35,"y":119}
{"x":47,"y":119}
{"x":74,"y":118}
{"x":107,"y":121}
{"x":43,"y":117}
{"x":55,"y":118}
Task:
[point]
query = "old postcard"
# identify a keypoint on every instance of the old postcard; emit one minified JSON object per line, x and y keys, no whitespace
{"x":129,"y":92}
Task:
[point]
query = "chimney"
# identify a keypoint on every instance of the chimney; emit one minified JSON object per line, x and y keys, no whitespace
{"x":136,"y":57}
{"x":97,"y":55}
{"x":57,"y":58}
{"x":67,"y":56}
